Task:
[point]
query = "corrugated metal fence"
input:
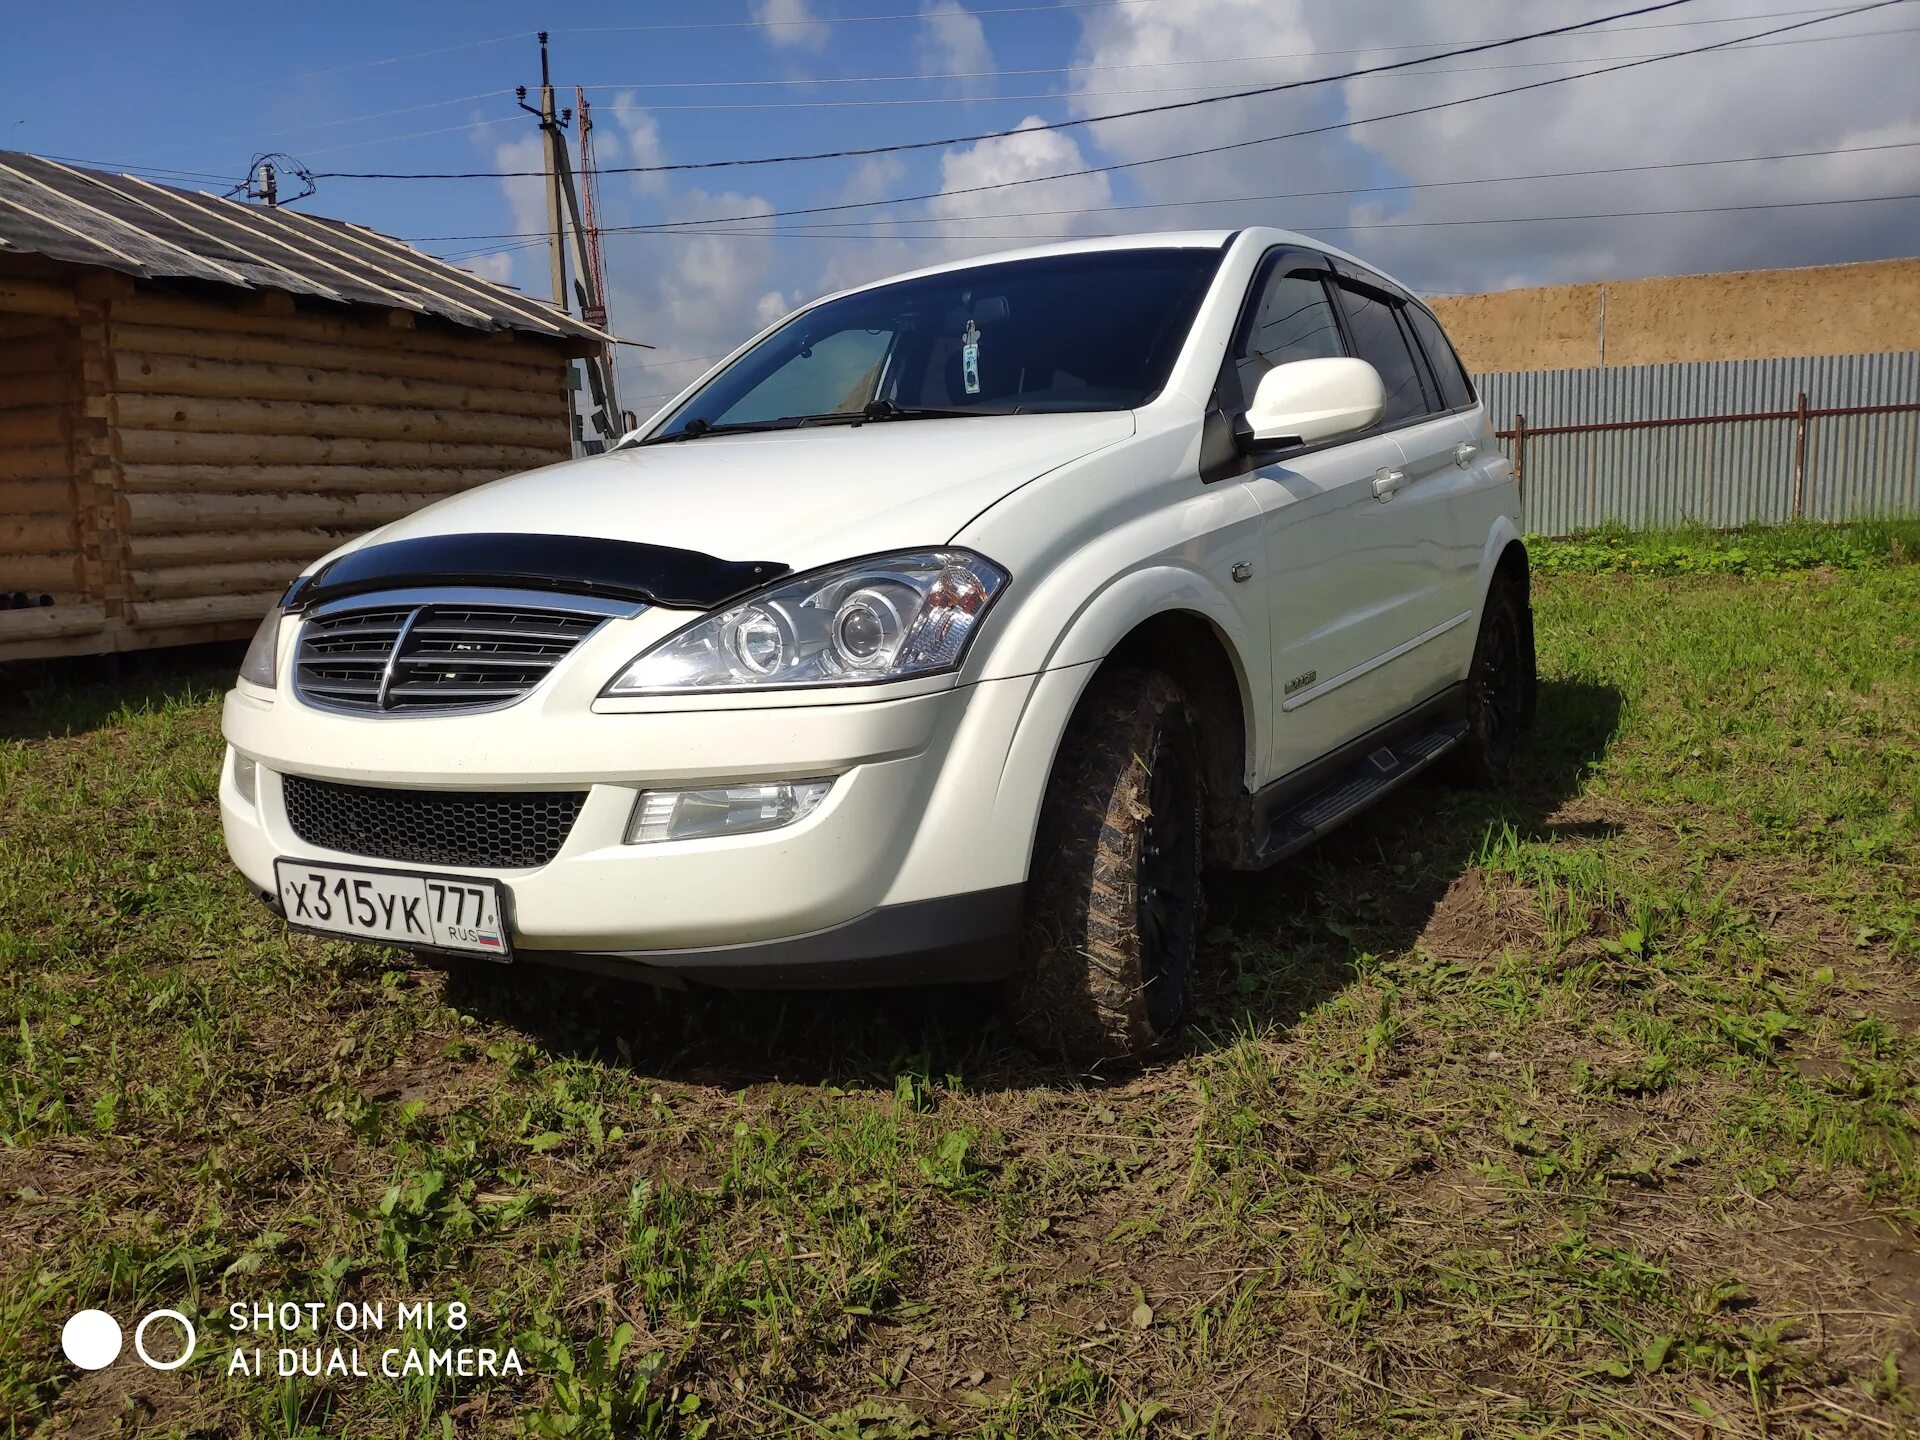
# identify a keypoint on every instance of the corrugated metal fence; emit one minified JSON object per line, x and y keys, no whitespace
{"x":1732,"y":471}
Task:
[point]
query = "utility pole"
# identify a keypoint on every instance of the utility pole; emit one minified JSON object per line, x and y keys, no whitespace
{"x":564,"y":219}
{"x":593,"y":266}
{"x":264,"y":174}
{"x":551,"y":124}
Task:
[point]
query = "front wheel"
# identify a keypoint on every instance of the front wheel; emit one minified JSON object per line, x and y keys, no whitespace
{"x":1500,"y":687}
{"x":1114,"y":895}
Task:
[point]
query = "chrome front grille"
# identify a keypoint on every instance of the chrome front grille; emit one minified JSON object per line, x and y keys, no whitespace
{"x":415,"y":654}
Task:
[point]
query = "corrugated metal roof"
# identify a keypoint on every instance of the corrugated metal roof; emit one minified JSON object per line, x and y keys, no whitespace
{"x":124,"y":223}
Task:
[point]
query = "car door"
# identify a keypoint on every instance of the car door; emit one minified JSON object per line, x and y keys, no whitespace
{"x":1420,"y":615}
{"x":1330,"y":551}
{"x":1474,"y":490}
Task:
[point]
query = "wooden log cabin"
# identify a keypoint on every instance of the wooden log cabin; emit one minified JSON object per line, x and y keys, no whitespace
{"x":198,"y":397}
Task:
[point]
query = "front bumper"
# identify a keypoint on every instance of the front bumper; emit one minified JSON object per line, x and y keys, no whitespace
{"x":955,"y":939}
{"x":910,"y":869}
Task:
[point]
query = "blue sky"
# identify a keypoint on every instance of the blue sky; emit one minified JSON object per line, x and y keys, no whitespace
{"x":198,"y":89}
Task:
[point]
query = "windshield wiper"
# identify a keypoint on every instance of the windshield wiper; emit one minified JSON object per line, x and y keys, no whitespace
{"x":888,"y":410}
{"x":697,"y":427}
{"x":873,"y":410}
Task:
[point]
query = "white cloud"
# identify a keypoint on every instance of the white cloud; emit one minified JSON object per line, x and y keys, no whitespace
{"x":941,"y":229}
{"x":524,"y":266}
{"x":1024,"y":155}
{"x":771,"y":306}
{"x":1787,"y":97}
{"x":790,"y":25}
{"x":694,"y":295}
{"x":687,"y":294}
{"x":496,"y":267}
{"x":849,"y":263}
{"x":526,"y":195}
{"x":951,"y":41}
{"x":639,"y":143}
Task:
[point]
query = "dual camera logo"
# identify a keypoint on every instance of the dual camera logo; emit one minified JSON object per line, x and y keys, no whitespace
{"x":92,"y":1339}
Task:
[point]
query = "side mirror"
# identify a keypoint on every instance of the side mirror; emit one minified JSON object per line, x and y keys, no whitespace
{"x":1308,"y":402}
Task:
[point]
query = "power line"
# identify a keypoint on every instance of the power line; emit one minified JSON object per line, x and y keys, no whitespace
{"x":1388,"y":189}
{"x":651,"y":363}
{"x":1621,"y":214}
{"x":465,"y":125}
{"x":151,"y":171}
{"x":839,"y":19}
{"x":1290,"y":135}
{"x":921,"y":77}
{"x":306,"y":150}
{"x":1157,"y":64}
{"x":693,"y":25}
{"x":386,"y":114}
{"x":1305,"y":229}
{"x":847,"y":205}
{"x":365,"y":64}
{"x":1119,"y":165}
{"x":1309,"y":229}
{"x":1069,"y":124}
{"x":1143,"y":90}
{"x":525,"y":238}
{"x":1042,"y":95}
{"x":928,"y":76}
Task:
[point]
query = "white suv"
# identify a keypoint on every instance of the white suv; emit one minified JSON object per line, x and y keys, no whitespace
{"x":945,"y":631}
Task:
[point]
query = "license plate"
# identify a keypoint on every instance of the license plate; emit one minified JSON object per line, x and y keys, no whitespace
{"x":434,"y":912}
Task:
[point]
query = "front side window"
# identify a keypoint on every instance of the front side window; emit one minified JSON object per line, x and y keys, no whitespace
{"x":1381,"y":340}
{"x":1293,"y":319}
{"x":1096,"y":331}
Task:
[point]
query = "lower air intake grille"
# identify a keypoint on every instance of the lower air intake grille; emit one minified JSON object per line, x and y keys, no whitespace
{"x":432,"y":827}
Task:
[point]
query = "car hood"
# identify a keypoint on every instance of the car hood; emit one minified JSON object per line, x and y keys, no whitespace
{"x":800,"y":498}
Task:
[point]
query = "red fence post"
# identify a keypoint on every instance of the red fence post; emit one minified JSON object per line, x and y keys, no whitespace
{"x":1799,"y":455}
{"x":1520,"y":455}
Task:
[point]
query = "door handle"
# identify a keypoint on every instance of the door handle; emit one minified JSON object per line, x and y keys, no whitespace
{"x":1463,"y":454}
{"x":1385,"y":482}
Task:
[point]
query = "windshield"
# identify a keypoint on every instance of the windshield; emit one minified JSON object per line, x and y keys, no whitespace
{"x":1094,"y":331}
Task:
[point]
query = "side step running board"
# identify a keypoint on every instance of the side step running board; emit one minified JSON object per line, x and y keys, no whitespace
{"x":1346,"y":794}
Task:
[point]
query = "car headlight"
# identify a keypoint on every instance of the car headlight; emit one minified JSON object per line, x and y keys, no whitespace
{"x":258,"y":666}
{"x":867,"y":621}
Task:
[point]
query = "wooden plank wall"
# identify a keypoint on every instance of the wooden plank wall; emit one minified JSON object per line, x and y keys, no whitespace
{"x":44,"y":509}
{"x":238,"y":445}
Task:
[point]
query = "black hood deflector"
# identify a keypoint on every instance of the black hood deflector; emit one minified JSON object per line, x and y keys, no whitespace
{"x":565,"y":564}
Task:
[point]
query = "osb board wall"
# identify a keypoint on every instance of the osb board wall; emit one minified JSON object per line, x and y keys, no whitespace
{"x":1739,"y":315}
{"x":1552,"y":328}
{"x":237,"y":445}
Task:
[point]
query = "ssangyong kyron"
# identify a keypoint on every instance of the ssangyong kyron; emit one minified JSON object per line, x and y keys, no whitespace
{"x":945,"y":631}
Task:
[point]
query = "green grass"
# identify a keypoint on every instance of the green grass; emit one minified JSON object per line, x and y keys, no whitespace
{"x":1586,"y":1108}
{"x":1757,"y":550}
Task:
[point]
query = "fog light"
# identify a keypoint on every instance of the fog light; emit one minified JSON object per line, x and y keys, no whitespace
{"x":245,"y":773}
{"x":722,"y":810}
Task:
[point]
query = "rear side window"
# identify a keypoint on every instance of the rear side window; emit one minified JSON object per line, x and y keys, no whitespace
{"x":1380,"y":339}
{"x":1456,"y":391}
{"x":1293,"y":320}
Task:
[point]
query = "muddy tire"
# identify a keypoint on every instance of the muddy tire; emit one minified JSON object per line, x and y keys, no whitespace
{"x":1500,"y":688}
{"x":1114,"y":896}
